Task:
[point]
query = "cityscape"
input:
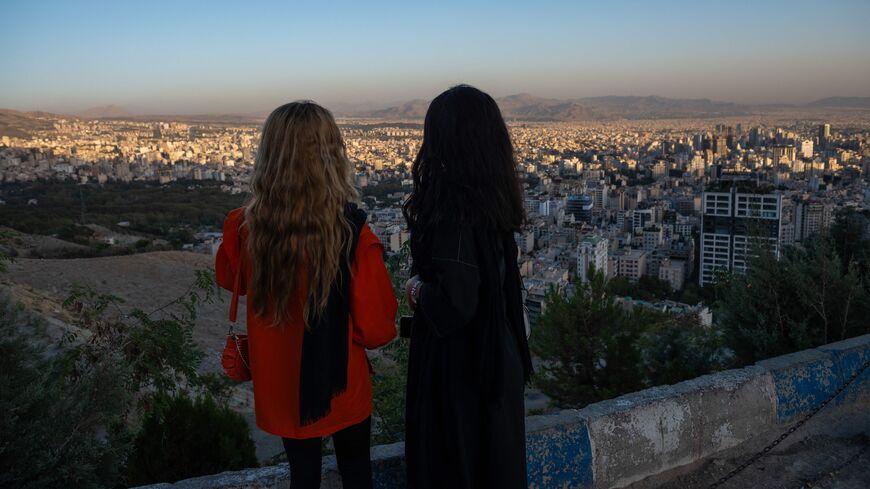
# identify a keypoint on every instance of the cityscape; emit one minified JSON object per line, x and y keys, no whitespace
{"x":633,"y":199}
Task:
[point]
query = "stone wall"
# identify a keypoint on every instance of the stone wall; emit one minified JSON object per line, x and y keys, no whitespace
{"x":616,"y":442}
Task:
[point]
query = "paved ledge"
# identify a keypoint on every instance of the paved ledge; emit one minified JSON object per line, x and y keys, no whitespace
{"x":623,"y":440}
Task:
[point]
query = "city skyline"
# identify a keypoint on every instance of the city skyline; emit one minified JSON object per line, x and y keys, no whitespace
{"x":199,"y":58}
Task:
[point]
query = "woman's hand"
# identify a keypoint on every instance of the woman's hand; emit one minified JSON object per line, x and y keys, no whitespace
{"x":412,"y":291}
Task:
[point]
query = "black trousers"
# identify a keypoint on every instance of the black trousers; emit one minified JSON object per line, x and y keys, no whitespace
{"x":351,"y":453}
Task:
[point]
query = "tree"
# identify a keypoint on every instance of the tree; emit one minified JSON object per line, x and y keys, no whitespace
{"x":850,"y":232}
{"x":674,"y":348}
{"x":804,"y":299}
{"x":585,"y":346}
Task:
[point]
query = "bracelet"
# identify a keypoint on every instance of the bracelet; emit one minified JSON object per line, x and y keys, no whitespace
{"x":415,"y":289}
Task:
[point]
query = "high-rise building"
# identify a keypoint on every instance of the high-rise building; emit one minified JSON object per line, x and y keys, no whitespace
{"x":698,"y":142}
{"x":810,"y":217}
{"x":807,"y":148}
{"x":736,"y":215}
{"x":824,"y":135}
{"x":782,"y":155}
{"x":580,"y":206}
{"x":592,"y":251}
{"x":640,"y":218}
{"x":599,"y":197}
{"x":755,"y":137}
{"x":660,"y":169}
{"x":720,"y":146}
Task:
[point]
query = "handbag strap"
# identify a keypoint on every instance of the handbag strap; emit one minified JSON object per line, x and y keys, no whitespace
{"x":234,"y":302}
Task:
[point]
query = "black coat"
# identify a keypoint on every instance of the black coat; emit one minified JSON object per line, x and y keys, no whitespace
{"x":469,"y":360}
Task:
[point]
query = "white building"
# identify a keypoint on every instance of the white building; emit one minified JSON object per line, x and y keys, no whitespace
{"x":592,"y":251}
{"x":673,"y":272}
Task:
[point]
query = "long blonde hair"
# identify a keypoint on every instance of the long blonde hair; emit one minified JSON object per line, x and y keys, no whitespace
{"x":296,"y":227}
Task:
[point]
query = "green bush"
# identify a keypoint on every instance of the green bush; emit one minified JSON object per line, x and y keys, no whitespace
{"x":71,"y":409}
{"x":62,"y":423}
{"x":186,"y":437}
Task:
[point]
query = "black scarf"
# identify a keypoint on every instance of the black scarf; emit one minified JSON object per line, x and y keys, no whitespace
{"x":323,"y":374}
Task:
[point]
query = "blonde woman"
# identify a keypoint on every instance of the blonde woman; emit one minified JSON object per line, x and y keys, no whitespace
{"x":318,"y":294}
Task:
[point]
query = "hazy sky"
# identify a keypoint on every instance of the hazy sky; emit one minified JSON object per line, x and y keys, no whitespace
{"x":248,"y":56}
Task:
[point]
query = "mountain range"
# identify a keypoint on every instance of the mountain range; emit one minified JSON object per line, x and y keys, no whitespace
{"x":531,"y":108}
{"x":843,"y":102}
{"x":519,"y":107}
{"x":528,"y":107}
{"x":104,"y":112}
{"x":17,"y":124}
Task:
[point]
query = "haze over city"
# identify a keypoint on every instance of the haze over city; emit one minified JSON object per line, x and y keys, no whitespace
{"x":230,"y":57}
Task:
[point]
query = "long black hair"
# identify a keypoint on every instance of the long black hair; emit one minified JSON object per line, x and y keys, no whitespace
{"x":465,"y":170}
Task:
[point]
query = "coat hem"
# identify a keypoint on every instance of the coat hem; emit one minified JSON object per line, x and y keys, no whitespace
{"x":320,"y":432}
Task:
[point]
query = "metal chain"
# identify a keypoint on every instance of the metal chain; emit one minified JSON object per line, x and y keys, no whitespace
{"x":791,"y":430}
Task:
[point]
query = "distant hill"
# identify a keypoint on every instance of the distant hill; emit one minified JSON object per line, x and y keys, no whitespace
{"x":842,"y":102}
{"x":104,"y":112}
{"x":653,"y":107}
{"x":414,"y":109}
{"x":21,"y":124}
{"x":528,"y":107}
{"x":520,"y":106}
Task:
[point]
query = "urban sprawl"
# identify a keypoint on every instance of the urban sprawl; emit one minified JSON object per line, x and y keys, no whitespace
{"x":630,"y":198}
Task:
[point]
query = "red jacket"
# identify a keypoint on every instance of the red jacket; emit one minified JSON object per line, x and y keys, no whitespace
{"x":276,"y":352}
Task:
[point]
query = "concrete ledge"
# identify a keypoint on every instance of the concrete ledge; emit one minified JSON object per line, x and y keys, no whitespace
{"x":803,"y":380}
{"x":620,"y":441}
{"x":662,"y":428}
{"x":558,"y":450}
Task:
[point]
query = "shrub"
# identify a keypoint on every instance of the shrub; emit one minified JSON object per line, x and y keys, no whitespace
{"x":185,"y":437}
{"x":71,"y":409}
{"x":62,"y":422}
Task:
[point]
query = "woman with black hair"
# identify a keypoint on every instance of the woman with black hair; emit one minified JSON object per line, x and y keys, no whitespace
{"x":469,"y":356}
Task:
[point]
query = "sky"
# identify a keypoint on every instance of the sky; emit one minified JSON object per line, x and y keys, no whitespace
{"x":186,"y":57}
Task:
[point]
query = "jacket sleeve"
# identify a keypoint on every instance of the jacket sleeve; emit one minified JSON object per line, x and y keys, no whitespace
{"x":227,"y":260}
{"x":373,"y":304}
{"x":448,"y":298}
